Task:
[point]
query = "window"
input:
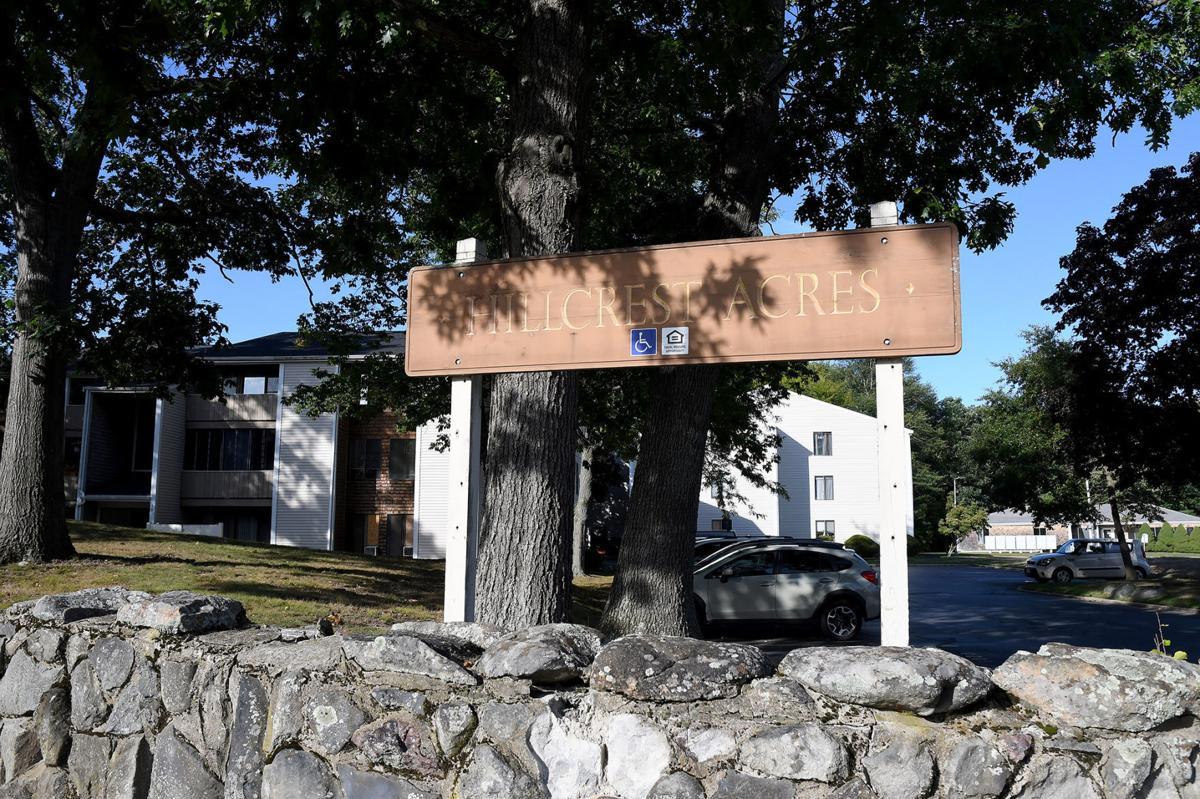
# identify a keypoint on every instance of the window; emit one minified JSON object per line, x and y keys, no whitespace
{"x":143,"y":435}
{"x":75,"y":387}
{"x":798,"y":561}
{"x":399,"y":535}
{"x":823,"y":487}
{"x":364,"y":531}
{"x":402,"y":458}
{"x":364,"y":458}
{"x":246,"y":449}
{"x":753,"y":565}
{"x":252,"y":380}
{"x":823,"y":443}
{"x":825,"y":527}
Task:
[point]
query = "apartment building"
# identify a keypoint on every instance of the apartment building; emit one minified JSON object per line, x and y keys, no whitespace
{"x":250,"y":467}
{"x":828,"y":466}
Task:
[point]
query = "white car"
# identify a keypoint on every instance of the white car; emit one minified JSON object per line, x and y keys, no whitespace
{"x":794,"y":580}
{"x":1086,"y":557}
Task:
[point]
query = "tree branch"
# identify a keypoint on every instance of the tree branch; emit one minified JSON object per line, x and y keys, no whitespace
{"x":173,"y":215}
{"x":470,"y":43}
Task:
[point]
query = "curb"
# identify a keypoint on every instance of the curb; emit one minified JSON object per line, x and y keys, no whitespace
{"x":1122,"y":602}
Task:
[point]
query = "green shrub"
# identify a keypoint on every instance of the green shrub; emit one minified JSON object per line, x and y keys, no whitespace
{"x":1155,"y":543}
{"x":867,"y":547}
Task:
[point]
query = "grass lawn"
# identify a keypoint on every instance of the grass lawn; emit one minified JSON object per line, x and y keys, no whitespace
{"x":278,"y":585}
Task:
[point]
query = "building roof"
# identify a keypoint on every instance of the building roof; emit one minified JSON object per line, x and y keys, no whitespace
{"x":287,"y":345}
{"x":1012,"y":518}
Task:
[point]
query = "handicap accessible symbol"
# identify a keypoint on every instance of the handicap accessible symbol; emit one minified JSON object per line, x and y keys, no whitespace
{"x":643,"y":341}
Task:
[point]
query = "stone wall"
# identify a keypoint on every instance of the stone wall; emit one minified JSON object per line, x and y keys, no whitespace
{"x":111,"y":694}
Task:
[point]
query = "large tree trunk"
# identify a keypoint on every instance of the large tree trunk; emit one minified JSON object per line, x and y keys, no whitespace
{"x":583,"y":500}
{"x":524,"y":575}
{"x":652,"y":589}
{"x":50,"y":211}
{"x":1126,"y":558}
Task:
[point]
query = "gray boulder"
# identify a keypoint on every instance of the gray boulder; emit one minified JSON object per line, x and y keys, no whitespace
{"x":1114,"y":689}
{"x":137,"y":706}
{"x":294,"y":774}
{"x":405,"y":654}
{"x":88,"y":764}
{"x":177,"y":612}
{"x":179,"y":772}
{"x":798,"y":752}
{"x":975,"y":770}
{"x":1125,"y":768}
{"x":332,"y":717}
{"x":175,"y":684}
{"x":88,"y":706}
{"x":244,"y":763}
{"x":24,"y":682}
{"x":18,"y":747}
{"x":922,"y":681}
{"x":679,"y":785}
{"x":321,"y":655}
{"x":454,"y":724}
{"x":548,"y":653}
{"x":639,"y":754}
{"x":112,"y":658}
{"x":52,"y":724}
{"x":129,"y":770}
{"x":479,"y":635}
{"x":1055,"y":778}
{"x":85,"y":604}
{"x":568,"y":764}
{"x":903,"y":769}
{"x":735,"y":785}
{"x":491,"y":775}
{"x":357,"y":784}
{"x":675,"y":669}
{"x":287,"y":709}
{"x":389,"y":698}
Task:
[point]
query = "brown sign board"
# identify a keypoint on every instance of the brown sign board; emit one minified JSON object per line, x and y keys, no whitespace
{"x":871,"y":293}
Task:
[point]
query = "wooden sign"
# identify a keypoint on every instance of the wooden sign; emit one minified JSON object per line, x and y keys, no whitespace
{"x":874,"y":292}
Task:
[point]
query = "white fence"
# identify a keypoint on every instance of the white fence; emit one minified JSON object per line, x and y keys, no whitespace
{"x":1019,"y":543}
{"x":209,"y":530}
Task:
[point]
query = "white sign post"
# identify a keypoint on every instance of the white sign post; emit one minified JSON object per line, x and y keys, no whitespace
{"x":465,"y":480}
{"x":893,"y":517}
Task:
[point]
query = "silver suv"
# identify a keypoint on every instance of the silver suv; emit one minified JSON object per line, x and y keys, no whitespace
{"x":1086,"y":557}
{"x":788,"y":581}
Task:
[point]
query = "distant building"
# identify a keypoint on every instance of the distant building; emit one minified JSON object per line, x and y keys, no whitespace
{"x":1014,"y":523}
{"x":829,"y":467}
{"x":252,"y":464}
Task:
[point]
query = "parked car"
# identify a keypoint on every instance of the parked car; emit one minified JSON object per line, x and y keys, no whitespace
{"x":1080,"y":558}
{"x":788,"y":580}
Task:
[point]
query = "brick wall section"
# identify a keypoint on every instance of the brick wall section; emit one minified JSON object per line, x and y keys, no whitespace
{"x":380,"y":496}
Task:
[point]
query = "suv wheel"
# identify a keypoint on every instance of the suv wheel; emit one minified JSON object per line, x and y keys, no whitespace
{"x":841,"y":620}
{"x":1141,"y":573}
{"x":1062,"y":576}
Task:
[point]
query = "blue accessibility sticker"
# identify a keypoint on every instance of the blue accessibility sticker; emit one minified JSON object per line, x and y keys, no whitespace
{"x":643,"y":341}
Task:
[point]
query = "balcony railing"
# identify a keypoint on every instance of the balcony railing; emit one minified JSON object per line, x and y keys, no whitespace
{"x":236,"y":408}
{"x":227,"y":485}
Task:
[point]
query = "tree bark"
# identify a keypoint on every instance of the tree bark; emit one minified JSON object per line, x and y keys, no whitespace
{"x":524,"y":575}
{"x":1126,"y":558}
{"x":652,"y":589}
{"x":583,"y":499}
{"x":50,"y":210}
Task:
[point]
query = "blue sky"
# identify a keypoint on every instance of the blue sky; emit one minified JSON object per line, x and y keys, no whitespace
{"x":1002,"y":290}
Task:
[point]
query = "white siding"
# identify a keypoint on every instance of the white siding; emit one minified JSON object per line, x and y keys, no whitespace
{"x":166,"y":478}
{"x":430,"y":512}
{"x":854,"y":508}
{"x":304,"y":467}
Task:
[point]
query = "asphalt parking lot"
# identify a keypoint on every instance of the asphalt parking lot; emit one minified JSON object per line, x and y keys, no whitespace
{"x":979,"y":613}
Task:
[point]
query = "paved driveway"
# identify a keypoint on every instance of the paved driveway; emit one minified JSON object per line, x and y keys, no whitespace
{"x":979,"y":614}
